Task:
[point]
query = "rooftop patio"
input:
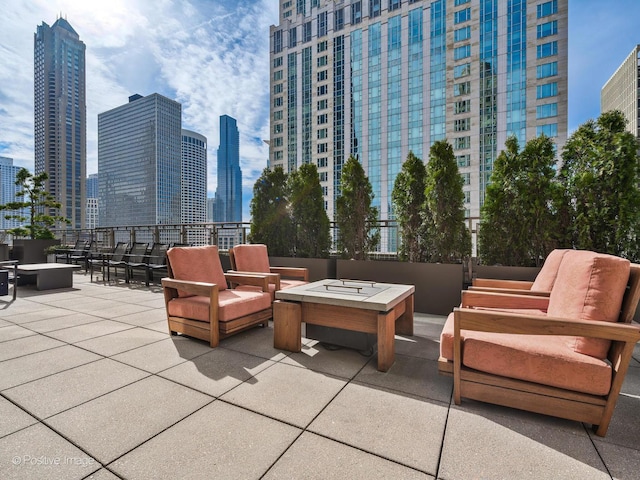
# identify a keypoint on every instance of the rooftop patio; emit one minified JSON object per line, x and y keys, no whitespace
{"x":92,"y":386}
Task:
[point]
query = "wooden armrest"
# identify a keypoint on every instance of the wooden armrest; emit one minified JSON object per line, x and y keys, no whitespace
{"x":494,"y":283}
{"x":194,"y":288}
{"x":511,"y":291}
{"x":503,"y":322}
{"x":477,"y":298}
{"x":256,"y":279}
{"x":295,"y":272}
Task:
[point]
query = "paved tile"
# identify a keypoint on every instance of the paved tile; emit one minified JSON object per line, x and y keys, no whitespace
{"x":102,"y":474}
{"x":29,"y":316}
{"x":321,"y":458}
{"x":39,"y":365}
{"x":88,"y":330}
{"x":164,"y":354}
{"x":480,"y":444}
{"x":26,"y":345}
{"x":113,"y":424}
{"x":220,"y":441}
{"x":217,"y":371}
{"x":398,"y":427}
{"x":122,"y":341}
{"x":412,"y":375}
{"x":64,"y":390}
{"x":256,"y":341}
{"x":72,"y":319}
{"x":13,"y":418}
{"x":12,"y":332}
{"x":159,"y":326}
{"x":345,"y":362}
{"x":144,"y":318}
{"x":38,"y":452}
{"x":292,"y":394}
{"x":623,"y":463}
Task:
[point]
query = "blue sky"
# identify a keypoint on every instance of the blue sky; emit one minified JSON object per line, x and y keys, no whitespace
{"x":212,"y":56}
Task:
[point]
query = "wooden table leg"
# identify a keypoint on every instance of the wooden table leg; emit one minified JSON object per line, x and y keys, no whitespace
{"x":404,"y":323}
{"x":386,"y":340}
{"x":287,"y":326}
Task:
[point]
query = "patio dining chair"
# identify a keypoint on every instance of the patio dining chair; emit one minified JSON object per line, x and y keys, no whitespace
{"x":154,"y":260}
{"x":104,"y":260}
{"x":135,"y":256}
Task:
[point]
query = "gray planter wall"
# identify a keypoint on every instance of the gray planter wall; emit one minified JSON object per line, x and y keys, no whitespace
{"x":438,"y":286}
{"x":319,"y":268}
{"x":32,"y":251}
{"x":505,"y":273}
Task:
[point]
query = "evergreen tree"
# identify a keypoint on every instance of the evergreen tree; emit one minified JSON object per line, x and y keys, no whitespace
{"x":519,"y":224}
{"x":270,"y":220}
{"x":448,"y":238}
{"x":309,"y":217}
{"x":601,"y":172}
{"x":355,"y":217}
{"x":408,"y":205}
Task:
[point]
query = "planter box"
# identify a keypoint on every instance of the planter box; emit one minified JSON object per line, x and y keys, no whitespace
{"x":319,"y":268}
{"x":31,"y":251}
{"x":438,"y":286}
{"x":505,"y":273}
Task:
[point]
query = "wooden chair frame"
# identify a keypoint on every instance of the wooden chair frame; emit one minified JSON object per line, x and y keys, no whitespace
{"x":473,"y":384}
{"x":214,"y":330}
{"x":516,"y":287}
{"x":275,"y":273}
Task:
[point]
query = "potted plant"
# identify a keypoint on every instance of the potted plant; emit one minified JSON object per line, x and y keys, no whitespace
{"x":31,"y":240}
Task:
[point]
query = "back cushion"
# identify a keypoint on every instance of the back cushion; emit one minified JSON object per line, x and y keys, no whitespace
{"x":589,"y":286}
{"x":251,"y":258}
{"x":197,"y":264}
{"x":547,"y":275}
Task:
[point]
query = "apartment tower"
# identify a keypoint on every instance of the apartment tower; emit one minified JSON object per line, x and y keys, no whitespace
{"x":8,"y":191}
{"x":194,"y":184}
{"x":621,"y":91}
{"x":380,"y":78}
{"x":60,"y":116}
{"x":140,"y":162}
{"x":228,"y":200}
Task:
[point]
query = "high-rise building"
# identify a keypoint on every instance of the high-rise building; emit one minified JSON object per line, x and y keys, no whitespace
{"x":378,"y":79}
{"x":211,"y":205}
{"x":194,"y":177}
{"x":92,"y":201}
{"x":228,"y":205}
{"x":60,"y":116}
{"x":621,"y":91}
{"x":8,"y":190}
{"x":139,"y":162}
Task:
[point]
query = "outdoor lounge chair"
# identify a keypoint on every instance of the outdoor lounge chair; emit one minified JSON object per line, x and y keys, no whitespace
{"x":200,"y":305}
{"x":569,"y":362}
{"x":254,"y":258}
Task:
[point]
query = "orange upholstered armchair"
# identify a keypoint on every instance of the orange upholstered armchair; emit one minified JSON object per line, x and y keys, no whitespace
{"x":567,"y":359}
{"x":540,"y":286}
{"x":255,"y":258}
{"x":200,"y":305}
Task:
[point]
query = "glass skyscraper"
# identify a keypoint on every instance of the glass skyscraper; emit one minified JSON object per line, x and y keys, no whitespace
{"x":622,"y":91}
{"x":194,"y":177}
{"x":379,"y":78}
{"x":140,"y":162}
{"x":8,"y":190}
{"x":228,"y":200}
{"x":60,"y":116}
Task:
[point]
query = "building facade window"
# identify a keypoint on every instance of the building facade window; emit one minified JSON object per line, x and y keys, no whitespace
{"x":322,"y":24}
{"x":322,"y":46}
{"x":277,"y":43}
{"x":338,"y":19}
{"x":322,"y":119}
{"x":323,"y":90}
{"x":374,"y":8}
{"x":462,"y":16}
{"x":277,"y":62}
{"x":277,"y":75}
{"x":461,"y":34}
{"x":461,"y":143}
{"x":322,"y":75}
{"x":466,"y":178}
{"x":547,"y":111}
{"x":461,"y":52}
{"x":306,"y":32}
{"x":547,"y":49}
{"x":323,"y":104}
{"x":277,"y":88}
{"x":293,"y":40}
{"x":463,"y":160}
{"x":462,"y":106}
{"x":322,"y":61}
{"x":462,"y":125}
{"x":547,"y":29}
{"x":463,"y":70}
{"x":547,"y":90}
{"x":547,"y":70}
{"x":457,"y":3}
{"x":394,"y":5}
{"x":547,"y":8}
{"x":356,"y":12}
{"x":463,"y":88}
{"x":550,"y":130}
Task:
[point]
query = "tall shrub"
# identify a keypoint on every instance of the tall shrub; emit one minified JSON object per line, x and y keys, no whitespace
{"x":355,"y":217}
{"x":448,"y":238}
{"x":270,"y":220}
{"x":408,"y":205}
{"x":601,"y":172}
{"x":310,"y":220}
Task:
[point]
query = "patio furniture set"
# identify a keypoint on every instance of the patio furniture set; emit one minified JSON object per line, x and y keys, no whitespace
{"x":559,"y":346}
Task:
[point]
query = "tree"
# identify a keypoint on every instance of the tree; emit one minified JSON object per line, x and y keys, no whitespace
{"x":310,"y":220}
{"x":601,"y":172}
{"x":408,"y":206}
{"x":519,"y":222}
{"x":448,"y":238}
{"x":270,"y":220}
{"x":355,"y":217}
{"x":41,"y":206}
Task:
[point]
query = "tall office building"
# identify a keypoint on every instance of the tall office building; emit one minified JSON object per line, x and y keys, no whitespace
{"x":379,"y":78}
{"x":60,"y":116}
{"x":228,"y":205}
{"x":139,"y":162}
{"x":8,"y":190}
{"x":92,"y":201}
{"x":194,"y":177}
{"x":621,"y":91}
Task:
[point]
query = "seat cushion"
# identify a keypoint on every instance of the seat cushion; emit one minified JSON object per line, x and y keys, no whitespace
{"x":232,"y":304}
{"x":197,"y":264}
{"x":251,"y":258}
{"x":547,"y":276}
{"x":589,"y":286}
{"x":544,"y":359}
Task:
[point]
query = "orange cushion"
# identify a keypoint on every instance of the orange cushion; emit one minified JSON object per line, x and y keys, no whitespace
{"x":545,"y":359}
{"x":547,"y":276}
{"x":251,"y":258}
{"x":232,"y":304}
{"x":589,"y":286}
{"x":197,"y":264}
